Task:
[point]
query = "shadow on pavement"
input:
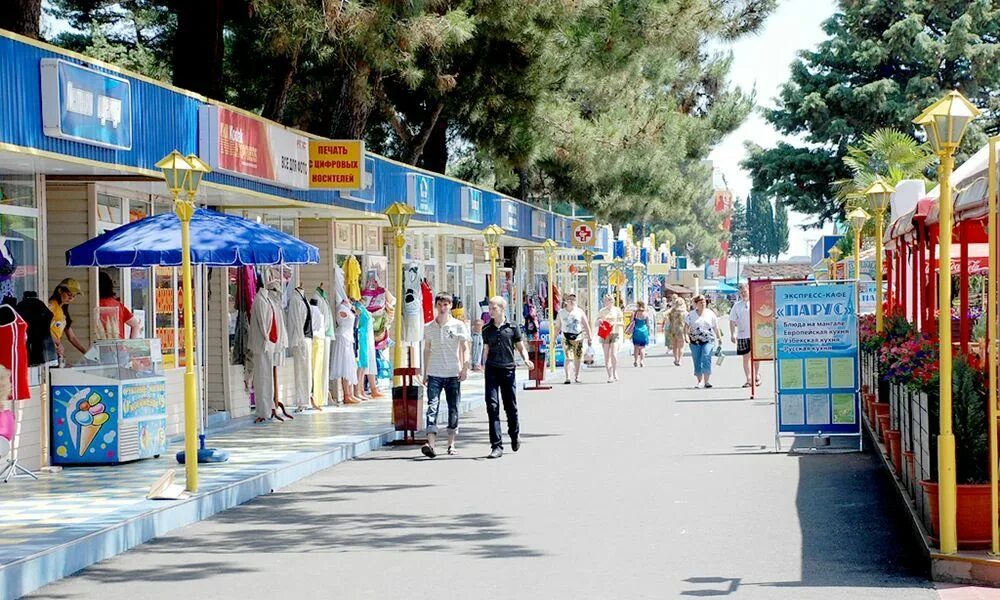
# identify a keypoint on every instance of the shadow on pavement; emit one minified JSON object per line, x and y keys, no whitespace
{"x":853,"y":533}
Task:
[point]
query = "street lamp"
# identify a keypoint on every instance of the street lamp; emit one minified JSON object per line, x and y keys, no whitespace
{"x":399,"y":217}
{"x":878,"y":195}
{"x":835,"y":255}
{"x":492,"y":236}
{"x":549,"y":247}
{"x":588,"y":258}
{"x":184,"y":175}
{"x":858,"y":217}
{"x":944,"y":123}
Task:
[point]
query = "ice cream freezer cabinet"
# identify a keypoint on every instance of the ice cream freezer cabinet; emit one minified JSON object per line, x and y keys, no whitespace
{"x":101,"y":420}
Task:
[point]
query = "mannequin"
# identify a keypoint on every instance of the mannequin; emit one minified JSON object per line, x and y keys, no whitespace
{"x":343,"y":363}
{"x":267,"y":340}
{"x":298,"y":318}
{"x":321,"y":376}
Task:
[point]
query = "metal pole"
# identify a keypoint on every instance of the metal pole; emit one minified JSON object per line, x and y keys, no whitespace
{"x":993,"y":346}
{"x":184,"y":210}
{"x":493,"y":271}
{"x":879,"y":317}
{"x":946,"y":440}
{"x":397,"y":324}
{"x":552,"y":324}
{"x":857,"y":254}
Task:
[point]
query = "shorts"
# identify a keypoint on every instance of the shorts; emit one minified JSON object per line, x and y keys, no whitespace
{"x":742,"y":346}
{"x":611,"y":339}
{"x":573,"y":349}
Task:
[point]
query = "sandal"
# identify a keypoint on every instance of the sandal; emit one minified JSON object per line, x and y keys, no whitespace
{"x":451,"y":450}
{"x":746,"y":385}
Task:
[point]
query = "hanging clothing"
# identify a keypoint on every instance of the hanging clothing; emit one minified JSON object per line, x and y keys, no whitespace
{"x":8,"y":266}
{"x":41,"y":348}
{"x":14,"y":351}
{"x":352,"y":278}
{"x":343,"y":362}
{"x":427,"y":298}
{"x":298,"y":319}
{"x":374,"y":297}
{"x":412,"y":312}
{"x":365,"y":355}
{"x":320,"y":384}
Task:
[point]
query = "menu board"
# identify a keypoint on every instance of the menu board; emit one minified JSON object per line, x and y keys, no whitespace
{"x":762,"y":319}
{"x":816,"y":347}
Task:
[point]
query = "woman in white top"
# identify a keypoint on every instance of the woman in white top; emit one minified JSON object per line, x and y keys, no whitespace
{"x":701,"y":326}
{"x":615,"y":318}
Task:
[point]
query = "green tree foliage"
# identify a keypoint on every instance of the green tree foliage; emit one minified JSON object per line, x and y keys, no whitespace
{"x":883,"y":62}
{"x":611,"y":104}
{"x":739,"y":234}
{"x":779,"y":242}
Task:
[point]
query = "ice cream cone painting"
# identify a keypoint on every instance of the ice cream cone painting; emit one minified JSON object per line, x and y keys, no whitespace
{"x":89,"y":417}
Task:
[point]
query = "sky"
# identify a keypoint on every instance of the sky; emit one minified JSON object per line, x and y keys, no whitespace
{"x":762,"y":62}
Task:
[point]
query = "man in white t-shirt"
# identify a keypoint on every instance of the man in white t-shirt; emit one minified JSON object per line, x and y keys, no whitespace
{"x":445,"y":366}
{"x":739,"y":330}
{"x":573,"y":324}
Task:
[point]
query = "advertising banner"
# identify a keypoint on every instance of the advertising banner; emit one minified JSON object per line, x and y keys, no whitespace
{"x":337,"y":164}
{"x":816,"y":344}
{"x":85,"y":105}
{"x":762,"y":319}
{"x":866,"y":298}
{"x":237,"y":143}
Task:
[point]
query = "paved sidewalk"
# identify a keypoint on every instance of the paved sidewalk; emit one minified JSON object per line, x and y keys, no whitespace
{"x":68,"y":520}
{"x":641,"y":489}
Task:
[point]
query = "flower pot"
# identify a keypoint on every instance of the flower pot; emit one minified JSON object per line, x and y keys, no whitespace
{"x":883,"y":425}
{"x":973,"y":521}
{"x":893,"y":439}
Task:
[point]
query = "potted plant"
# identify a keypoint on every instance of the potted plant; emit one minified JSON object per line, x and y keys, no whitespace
{"x":970,"y":427}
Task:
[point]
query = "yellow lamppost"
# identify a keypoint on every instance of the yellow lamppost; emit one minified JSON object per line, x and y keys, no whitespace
{"x":492,"y":236}
{"x":549,"y":247}
{"x":878,"y":195}
{"x":835,"y":254}
{"x":858,"y":217}
{"x":945,"y":122}
{"x":399,"y":217}
{"x":588,"y":258}
{"x":184,"y":174}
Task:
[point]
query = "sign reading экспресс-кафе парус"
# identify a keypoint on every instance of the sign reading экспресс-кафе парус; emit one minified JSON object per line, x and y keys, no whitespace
{"x":816,"y":340}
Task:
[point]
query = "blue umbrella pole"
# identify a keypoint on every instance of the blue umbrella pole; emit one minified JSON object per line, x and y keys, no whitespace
{"x":206,"y":455}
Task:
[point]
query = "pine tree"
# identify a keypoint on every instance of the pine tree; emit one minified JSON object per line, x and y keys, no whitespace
{"x":780,"y":230}
{"x":883,"y":62}
{"x":739,"y":234}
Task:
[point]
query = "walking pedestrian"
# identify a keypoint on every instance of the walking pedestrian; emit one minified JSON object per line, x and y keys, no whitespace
{"x":702,"y":328}
{"x":573,"y":323}
{"x":611,"y":320}
{"x":445,"y":367}
{"x":640,"y":326}
{"x":739,"y":330}
{"x":675,"y":325}
{"x":477,"y":345}
{"x":500,"y":340}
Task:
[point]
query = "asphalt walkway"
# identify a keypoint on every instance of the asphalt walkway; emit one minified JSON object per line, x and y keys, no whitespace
{"x":645,"y":488}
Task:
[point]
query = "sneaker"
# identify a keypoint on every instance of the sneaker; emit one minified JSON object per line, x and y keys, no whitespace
{"x":515,"y":444}
{"x":428,"y":451}
{"x":566,"y":382}
{"x":452,"y":450}
{"x":496,"y":453}
{"x":708,"y":385}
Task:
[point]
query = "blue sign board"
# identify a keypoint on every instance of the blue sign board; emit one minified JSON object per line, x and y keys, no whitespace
{"x":366,"y":194}
{"x":85,"y":105}
{"x":420,"y":193}
{"x":816,"y":339}
{"x":472,"y":205}
{"x":508,"y":211}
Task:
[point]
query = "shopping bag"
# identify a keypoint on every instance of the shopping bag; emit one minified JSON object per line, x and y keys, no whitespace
{"x":7,"y":424}
{"x":604,"y":329}
{"x":588,"y":355}
{"x":719,"y":355}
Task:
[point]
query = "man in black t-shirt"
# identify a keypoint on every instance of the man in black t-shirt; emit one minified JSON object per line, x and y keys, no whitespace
{"x":500,"y":340}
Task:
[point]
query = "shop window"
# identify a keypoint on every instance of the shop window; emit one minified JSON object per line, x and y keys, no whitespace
{"x":165,"y":317}
{"x":109,"y":210}
{"x":17,"y":190}
{"x":18,"y":255}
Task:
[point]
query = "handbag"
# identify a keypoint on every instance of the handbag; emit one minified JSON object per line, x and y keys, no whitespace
{"x":604,"y":329}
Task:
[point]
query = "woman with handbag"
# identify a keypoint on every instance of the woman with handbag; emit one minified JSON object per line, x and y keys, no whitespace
{"x":572,"y":324}
{"x":639,"y":328}
{"x":702,"y":329}
{"x":611,"y":329}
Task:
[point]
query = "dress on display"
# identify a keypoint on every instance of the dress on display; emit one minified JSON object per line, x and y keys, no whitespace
{"x":300,"y":332}
{"x":365,"y":357}
{"x":374,"y":297}
{"x":14,"y":351}
{"x":343,"y":363}
{"x":265,"y":337}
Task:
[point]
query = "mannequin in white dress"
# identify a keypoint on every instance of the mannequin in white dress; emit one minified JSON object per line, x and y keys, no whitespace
{"x":343,"y":363}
